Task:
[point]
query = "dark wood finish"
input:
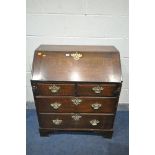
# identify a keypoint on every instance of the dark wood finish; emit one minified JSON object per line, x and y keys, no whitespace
{"x":95,"y":66}
{"x":98,"y":66}
{"x":108,"y":105}
{"x":44,"y":132}
{"x":65,"y":89}
{"x":106,"y":121}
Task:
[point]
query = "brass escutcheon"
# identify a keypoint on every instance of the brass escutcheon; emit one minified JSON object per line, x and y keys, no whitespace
{"x":76,"y":117}
{"x":76,"y":56}
{"x":57,"y":121}
{"x":76,"y":101}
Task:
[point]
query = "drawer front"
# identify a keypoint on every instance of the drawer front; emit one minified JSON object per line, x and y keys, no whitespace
{"x":98,"y":89}
{"x":78,"y":104}
{"x":55,"y":89}
{"x":75,"y":120}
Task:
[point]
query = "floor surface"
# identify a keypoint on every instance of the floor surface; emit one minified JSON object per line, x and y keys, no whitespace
{"x":76,"y":143}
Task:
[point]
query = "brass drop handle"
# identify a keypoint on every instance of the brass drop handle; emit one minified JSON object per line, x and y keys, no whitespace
{"x":94,"y":122}
{"x":97,"y":89}
{"x":54,"y":88}
{"x":55,"y":105}
{"x":57,"y":121}
{"x":76,"y":101}
{"x":96,"y":106}
{"x":76,"y":117}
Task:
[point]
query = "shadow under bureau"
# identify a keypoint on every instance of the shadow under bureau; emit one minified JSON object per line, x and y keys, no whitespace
{"x":76,"y":88}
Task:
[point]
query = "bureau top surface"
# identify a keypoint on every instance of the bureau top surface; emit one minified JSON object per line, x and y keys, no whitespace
{"x":76,"y":63}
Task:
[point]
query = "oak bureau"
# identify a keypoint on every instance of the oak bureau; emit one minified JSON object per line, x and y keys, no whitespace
{"x":76,"y":88}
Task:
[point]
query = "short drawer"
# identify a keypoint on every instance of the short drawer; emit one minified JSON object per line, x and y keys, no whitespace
{"x":76,"y":120}
{"x":55,"y":89}
{"x":76,"y":104}
{"x":98,"y":89}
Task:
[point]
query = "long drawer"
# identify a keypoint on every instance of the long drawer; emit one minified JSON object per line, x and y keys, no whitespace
{"x":76,"y":104}
{"x":76,"y":120}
